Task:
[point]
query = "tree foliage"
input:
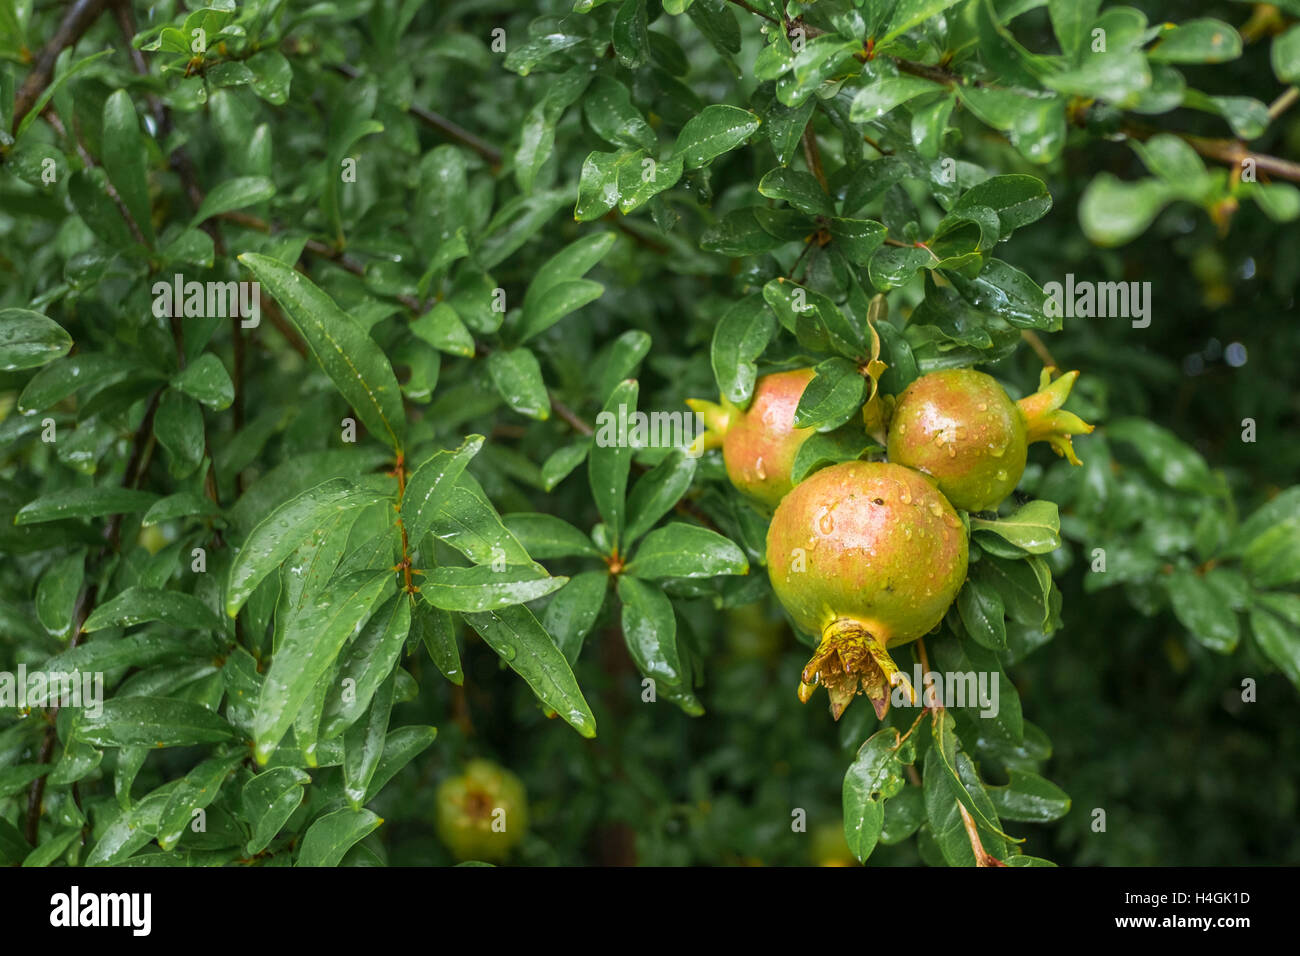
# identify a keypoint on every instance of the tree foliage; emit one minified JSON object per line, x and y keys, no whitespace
{"x":297,"y":526}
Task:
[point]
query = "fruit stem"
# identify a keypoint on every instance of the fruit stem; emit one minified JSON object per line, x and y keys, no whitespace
{"x":1045,"y":420}
{"x":716,"y":419}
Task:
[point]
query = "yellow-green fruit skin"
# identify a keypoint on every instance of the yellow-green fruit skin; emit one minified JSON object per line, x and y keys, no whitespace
{"x":761,"y":443}
{"x":871,"y":542}
{"x":961,"y":428}
{"x":469,"y":805}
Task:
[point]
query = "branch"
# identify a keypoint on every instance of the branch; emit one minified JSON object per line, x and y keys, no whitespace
{"x":135,"y":467}
{"x":79,"y":18}
{"x":438,"y":122}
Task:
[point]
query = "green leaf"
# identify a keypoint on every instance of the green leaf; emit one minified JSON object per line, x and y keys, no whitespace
{"x":1202,"y":608}
{"x":610,"y":459}
{"x":557,"y":301}
{"x":547,"y":536}
{"x":351,"y":358}
{"x":365,"y":663}
{"x":1285,"y":55}
{"x":29,"y":339}
{"x":274,"y":76}
{"x":656,"y":492}
{"x":311,"y":642}
{"x":152,"y":722}
{"x":84,"y":503}
{"x":608,"y":108}
{"x":572,"y":611}
{"x":232,"y":194}
{"x":268,"y":801}
{"x":280,"y":533}
{"x":517,"y":637}
{"x":206,"y":380}
{"x":560,"y":463}
{"x":518,"y":377}
{"x":881,"y":95}
{"x":125,"y":160}
{"x":858,"y":239}
{"x":681,"y":550}
{"x":438,"y":634}
{"x":572,"y":262}
{"x":483,"y":588}
{"x":1017,"y":199}
{"x":910,"y":13}
{"x":1034,"y":527}
{"x":1029,"y":798}
{"x":1275,"y":622}
{"x":139,"y":605}
{"x":363,"y":743}
{"x":56,"y":594}
{"x":430,"y":487}
{"x":739,"y":339}
{"x":875,"y":775}
{"x":1175,"y":464}
{"x":630,"y":35}
{"x":178,"y":426}
{"x":983,"y":615}
{"x":801,"y":190}
{"x":1113,"y":212}
{"x":442,"y":328}
{"x":197,"y":790}
{"x":1197,"y":41}
{"x":714,"y":131}
{"x":332,"y":835}
{"x":650,"y":631}
{"x":400,"y":747}
{"x":849,"y":442}
{"x":468,"y":522}
{"x":833,"y":396}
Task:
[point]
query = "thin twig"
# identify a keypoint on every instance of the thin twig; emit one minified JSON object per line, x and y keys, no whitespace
{"x":438,"y":122}
{"x":131,"y":476}
{"x":79,"y":18}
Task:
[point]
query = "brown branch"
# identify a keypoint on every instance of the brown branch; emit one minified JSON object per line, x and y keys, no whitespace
{"x":1040,"y":349}
{"x":982,"y":856}
{"x":438,"y":122}
{"x":1283,"y":102}
{"x":88,"y":161}
{"x":79,"y":18}
{"x":131,"y":476}
{"x":758,"y":13}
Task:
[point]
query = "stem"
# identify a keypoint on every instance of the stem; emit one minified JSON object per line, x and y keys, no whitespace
{"x":982,"y":856}
{"x":438,"y":122}
{"x":79,"y":18}
{"x":813,"y":156}
{"x":1040,"y":349}
{"x":135,"y":467}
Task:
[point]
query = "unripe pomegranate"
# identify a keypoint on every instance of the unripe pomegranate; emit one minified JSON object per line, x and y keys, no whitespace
{"x":759,"y":443}
{"x":960,"y":428}
{"x":483,"y":813}
{"x":867,"y":556}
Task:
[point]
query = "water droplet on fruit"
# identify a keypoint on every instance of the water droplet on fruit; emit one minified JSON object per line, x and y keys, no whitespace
{"x":935,"y":508}
{"x":825,"y":524}
{"x":760,"y":470}
{"x":1001,"y":475}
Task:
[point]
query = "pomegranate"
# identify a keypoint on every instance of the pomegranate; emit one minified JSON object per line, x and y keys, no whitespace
{"x":959,"y":427}
{"x":759,"y":443}
{"x":865,"y":556}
